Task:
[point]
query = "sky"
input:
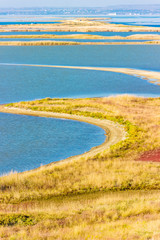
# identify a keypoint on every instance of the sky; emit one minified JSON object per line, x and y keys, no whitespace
{"x":70,"y":3}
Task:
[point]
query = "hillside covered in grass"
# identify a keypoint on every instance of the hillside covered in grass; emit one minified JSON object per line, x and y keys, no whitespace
{"x":110,"y":195}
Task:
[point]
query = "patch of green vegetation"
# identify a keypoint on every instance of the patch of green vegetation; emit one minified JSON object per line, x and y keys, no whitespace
{"x":110,"y":195}
{"x":14,"y":219}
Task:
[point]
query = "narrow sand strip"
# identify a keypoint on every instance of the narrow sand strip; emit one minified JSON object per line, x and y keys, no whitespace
{"x":68,"y":43}
{"x":114,"y":131}
{"x":151,"y":76}
{"x":82,"y":37}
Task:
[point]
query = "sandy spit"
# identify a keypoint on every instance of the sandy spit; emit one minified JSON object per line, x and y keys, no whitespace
{"x":114,"y":131}
{"x":151,"y":76}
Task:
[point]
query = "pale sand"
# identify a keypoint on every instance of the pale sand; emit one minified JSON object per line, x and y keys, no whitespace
{"x":114,"y":131}
{"x":55,"y":43}
{"x":76,"y":28}
{"x":151,"y":76}
{"x":84,"y":36}
{"x":79,"y":25}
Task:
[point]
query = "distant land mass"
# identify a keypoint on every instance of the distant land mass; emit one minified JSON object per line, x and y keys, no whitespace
{"x":111,"y":10}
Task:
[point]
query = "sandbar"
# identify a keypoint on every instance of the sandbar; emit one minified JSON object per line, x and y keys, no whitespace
{"x":151,"y":76}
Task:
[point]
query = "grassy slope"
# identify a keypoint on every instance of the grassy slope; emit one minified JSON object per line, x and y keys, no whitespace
{"x":101,"y":197}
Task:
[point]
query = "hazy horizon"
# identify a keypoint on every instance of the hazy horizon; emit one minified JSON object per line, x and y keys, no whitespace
{"x":71,"y":3}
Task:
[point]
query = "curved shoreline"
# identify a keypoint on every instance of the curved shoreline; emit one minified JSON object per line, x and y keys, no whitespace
{"x":151,"y":76}
{"x":114,"y":131}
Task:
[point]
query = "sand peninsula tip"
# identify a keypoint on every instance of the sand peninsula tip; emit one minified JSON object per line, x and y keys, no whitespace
{"x":151,"y":76}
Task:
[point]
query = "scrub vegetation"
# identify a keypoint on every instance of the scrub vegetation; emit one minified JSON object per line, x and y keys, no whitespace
{"x":85,"y":36}
{"x":111,"y":195}
{"x":55,"y":43}
{"x":78,"y":25}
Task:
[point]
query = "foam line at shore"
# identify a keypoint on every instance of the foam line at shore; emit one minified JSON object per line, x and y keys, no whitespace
{"x":151,"y":76}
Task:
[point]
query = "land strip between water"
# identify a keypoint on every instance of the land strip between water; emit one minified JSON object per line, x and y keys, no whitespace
{"x":84,"y":36}
{"x":151,"y":76}
{"x":55,"y":43}
{"x":114,"y":131}
{"x":78,"y":25}
{"x":107,"y":191}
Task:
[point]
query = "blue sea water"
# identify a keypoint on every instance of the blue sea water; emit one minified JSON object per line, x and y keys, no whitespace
{"x":109,"y":34}
{"x":27,"y":142}
{"x":28,"y":19}
{"x":150,"y":21}
{"x":130,"y":56}
{"x":67,"y":40}
{"x":24,"y":23}
{"x":29,"y":83}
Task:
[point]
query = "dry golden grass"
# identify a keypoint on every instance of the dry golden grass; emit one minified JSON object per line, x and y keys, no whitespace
{"x":85,"y":36}
{"x":55,"y":43}
{"x":79,"y":25}
{"x":106,"y":196}
{"x":129,"y":215}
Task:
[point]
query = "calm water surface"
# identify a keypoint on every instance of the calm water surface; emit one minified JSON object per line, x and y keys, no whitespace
{"x":28,"y":83}
{"x":28,"y":142}
{"x":141,"y":57}
{"x":151,"y":21}
{"x":127,"y":20}
{"x":122,"y":34}
{"x":67,"y":40}
{"x":23,"y":23}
